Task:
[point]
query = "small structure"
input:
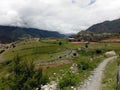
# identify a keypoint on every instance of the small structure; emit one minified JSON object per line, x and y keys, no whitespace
{"x":71,"y":39}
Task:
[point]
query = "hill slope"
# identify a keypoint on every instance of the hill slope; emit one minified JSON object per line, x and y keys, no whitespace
{"x":11,"y":33}
{"x":106,"y":27}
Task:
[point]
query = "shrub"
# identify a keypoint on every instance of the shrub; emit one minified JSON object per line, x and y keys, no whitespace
{"x":69,"y":79}
{"x":74,"y":54}
{"x":86,"y":45}
{"x":98,"y":51}
{"x":45,"y":79}
{"x":83,"y":65}
{"x":24,"y":77}
{"x":60,"y":43}
{"x":3,"y":84}
{"x":83,"y":51}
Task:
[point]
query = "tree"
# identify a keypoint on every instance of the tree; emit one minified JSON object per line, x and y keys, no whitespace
{"x":24,"y":77}
{"x":60,"y":43}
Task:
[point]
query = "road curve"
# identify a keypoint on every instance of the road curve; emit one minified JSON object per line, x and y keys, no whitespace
{"x":95,"y":79}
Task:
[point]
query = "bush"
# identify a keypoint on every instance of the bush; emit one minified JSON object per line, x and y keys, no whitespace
{"x":83,"y":65}
{"x":45,"y":79}
{"x":83,"y":51}
{"x":60,"y":43}
{"x":24,"y":77}
{"x":74,"y":54}
{"x":3,"y":84}
{"x":69,"y":79}
{"x":98,"y":51}
{"x":86,"y":45}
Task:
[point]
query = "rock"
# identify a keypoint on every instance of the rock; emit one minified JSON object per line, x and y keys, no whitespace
{"x":52,"y":86}
{"x":74,"y":68}
{"x":110,"y":53}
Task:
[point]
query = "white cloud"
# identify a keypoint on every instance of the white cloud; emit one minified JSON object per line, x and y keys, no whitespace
{"x":65,"y":16}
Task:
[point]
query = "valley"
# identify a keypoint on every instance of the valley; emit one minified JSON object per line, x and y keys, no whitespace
{"x":59,"y":45}
{"x":65,"y":63}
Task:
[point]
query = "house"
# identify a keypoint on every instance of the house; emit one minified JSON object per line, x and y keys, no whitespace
{"x":71,"y":39}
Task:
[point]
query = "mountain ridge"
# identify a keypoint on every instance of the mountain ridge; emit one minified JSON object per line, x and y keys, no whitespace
{"x":106,"y":27}
{"x":13,"y":33}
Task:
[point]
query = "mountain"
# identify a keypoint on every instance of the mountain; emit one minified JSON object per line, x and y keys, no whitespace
{"x":106,"y":27}
{"x":13,"y":33}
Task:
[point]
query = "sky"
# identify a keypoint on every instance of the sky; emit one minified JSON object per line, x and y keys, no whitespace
{"x":64,"y":16}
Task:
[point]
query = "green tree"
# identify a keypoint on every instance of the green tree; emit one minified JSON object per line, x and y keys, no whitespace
{"x":60,"y":43}
{"x":24,"y":77}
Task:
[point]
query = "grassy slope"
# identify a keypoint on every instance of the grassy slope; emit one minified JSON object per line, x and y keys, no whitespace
{"x":46,"y":49}
{"x":35,"y":51}
{"x":109,"y":81}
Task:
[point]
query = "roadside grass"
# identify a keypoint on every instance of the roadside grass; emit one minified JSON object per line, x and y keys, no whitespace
{"x":82,"y":74}
{"x":109,"y":79}
{"x":55,"y":72}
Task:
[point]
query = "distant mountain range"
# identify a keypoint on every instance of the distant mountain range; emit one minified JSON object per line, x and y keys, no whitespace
{"x":12,"y":33}
{"x":98,"y":32}
{"x":106,"y":27}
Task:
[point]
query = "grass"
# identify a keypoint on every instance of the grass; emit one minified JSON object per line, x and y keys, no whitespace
{"x":37,"y":50}
{"x":58,"y":71}
{"x":32,"y":50}
{"x":109,"y":80}
{"x":46,"y":49}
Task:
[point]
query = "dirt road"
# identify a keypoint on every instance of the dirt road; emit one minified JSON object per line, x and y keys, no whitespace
{"x":94,"y":81}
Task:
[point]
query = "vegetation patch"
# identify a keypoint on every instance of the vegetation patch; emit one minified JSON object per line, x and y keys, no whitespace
{"x":86,"y":59}
{"x":110,"y":76}
{"x":22,"y":76}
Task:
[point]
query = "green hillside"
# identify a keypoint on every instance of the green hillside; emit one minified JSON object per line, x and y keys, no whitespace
{"x":55,"y":57}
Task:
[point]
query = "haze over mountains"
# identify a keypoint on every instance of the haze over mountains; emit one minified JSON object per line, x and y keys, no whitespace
{"x":12,"y":33}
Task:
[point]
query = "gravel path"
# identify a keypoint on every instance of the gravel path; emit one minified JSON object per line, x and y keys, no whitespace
{"x":94,"y":81}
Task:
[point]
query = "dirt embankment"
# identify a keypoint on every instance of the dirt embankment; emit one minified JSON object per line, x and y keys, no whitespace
{"x":52,"y":65}
{"x":112,"y":40}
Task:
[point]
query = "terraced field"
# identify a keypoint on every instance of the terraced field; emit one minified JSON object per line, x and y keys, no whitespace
{"x":57,"y":57}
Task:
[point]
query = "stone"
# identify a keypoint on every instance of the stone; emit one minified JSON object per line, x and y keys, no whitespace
{"x":110,"y":53}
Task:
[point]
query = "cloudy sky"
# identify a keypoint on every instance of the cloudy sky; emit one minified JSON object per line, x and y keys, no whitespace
{"x":65,"y":16}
